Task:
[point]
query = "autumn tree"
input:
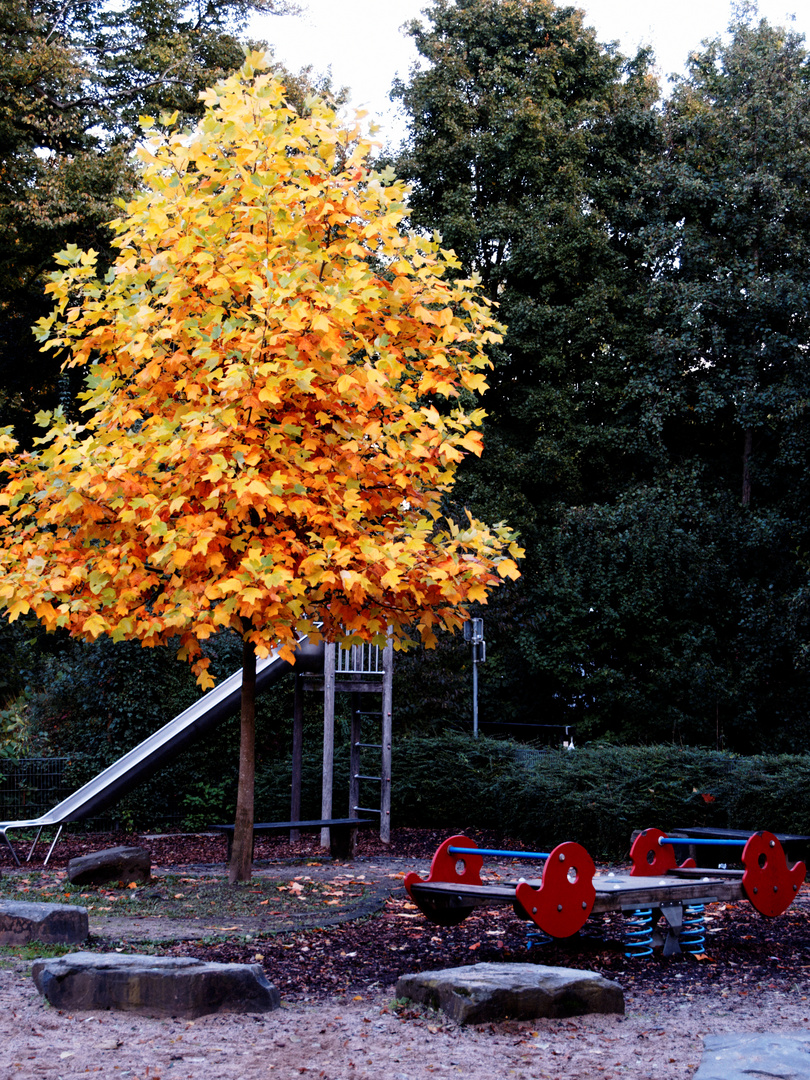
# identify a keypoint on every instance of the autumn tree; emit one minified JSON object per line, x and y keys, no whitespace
{"x":273,"y":370}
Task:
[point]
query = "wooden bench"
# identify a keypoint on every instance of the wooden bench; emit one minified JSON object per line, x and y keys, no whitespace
{"x":341,"y":832}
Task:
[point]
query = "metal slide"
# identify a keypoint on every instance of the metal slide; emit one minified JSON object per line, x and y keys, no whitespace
{"x":147,"y":757}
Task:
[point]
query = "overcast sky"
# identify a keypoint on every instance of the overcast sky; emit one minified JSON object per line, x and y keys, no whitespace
{"x":361,"y":40}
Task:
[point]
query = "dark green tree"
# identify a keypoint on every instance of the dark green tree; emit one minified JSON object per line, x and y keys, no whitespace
{"x":526,"y":145}
{"x":692,"y":583}
{"x":731,"y":248}
{"x":648,"y":416}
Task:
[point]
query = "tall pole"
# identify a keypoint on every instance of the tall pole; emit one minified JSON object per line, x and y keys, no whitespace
{"x":474,"y":635}
{"x":475,"y":690}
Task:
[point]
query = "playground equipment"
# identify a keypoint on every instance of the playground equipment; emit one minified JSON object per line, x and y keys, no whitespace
{"x":358,"y":669}
{"x":148,"y":756}
{"x":569,"y":891}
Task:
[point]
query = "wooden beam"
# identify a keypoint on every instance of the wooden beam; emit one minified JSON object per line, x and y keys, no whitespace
{"x":328,"y":737}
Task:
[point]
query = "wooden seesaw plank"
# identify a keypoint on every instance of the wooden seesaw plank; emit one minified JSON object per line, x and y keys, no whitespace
{"x":614,"y":892}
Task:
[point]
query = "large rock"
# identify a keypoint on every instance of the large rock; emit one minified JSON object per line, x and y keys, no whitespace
{"x":125,"y":864}
{"x":481,"y":992}
{"x":153,"y":985}
{"x":21,"y":922}
{"x":785,"y":1054}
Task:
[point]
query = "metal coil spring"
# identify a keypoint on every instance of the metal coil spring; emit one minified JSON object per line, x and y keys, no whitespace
{"x":693,"y":932}
{"x":537,"y":937}
{"x":639,"y":934}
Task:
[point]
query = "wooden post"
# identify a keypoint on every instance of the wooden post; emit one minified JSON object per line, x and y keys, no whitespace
{"x":385,"y":753}
{"x":297,"y":756}
{"x":354,"y":756}
{"x":328,"y":736}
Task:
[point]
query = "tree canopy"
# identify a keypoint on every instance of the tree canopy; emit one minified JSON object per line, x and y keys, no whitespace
{"x":523,"y":146}
{"x":263,"y":446}
{"x":646,"y":426}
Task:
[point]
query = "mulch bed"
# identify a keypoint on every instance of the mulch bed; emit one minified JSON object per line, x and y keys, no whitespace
{"x":743,"y":951}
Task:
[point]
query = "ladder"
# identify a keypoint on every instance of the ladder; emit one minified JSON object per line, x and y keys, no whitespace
{"x":358,"y":670}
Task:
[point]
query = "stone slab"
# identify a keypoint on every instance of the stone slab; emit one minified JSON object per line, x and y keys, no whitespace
{"x":477,"y":993}
{"x":743,"y":1056}
{"x":153,"y":985}
{"x":125,"y":864}
{"x":52,"y":924}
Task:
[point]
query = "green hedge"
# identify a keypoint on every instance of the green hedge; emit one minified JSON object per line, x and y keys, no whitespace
{"x":596,"y":795}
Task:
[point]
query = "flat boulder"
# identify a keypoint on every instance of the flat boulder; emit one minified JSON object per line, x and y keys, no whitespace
{"x":153,"y":985}
{"x":125,"y":864}
{"x":52,"y":924}
{"x":477,"y":993}
{"x":743,"y":1055}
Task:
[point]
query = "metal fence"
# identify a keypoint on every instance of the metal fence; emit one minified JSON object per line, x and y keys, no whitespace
{"x":529,"y":755}
{"x":30,"y":786}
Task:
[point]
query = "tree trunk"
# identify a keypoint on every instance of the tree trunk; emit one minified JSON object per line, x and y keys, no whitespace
{"x":242,"y":854}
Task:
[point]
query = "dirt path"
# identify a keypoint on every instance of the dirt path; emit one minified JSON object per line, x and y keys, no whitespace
{"x":351,"y":1039}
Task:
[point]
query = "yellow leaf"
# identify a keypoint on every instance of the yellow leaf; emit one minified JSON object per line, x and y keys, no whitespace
{"x":95,"y":626}
{"x":19,"y":607}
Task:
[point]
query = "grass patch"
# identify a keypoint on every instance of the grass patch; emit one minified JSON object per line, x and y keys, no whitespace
{"x":32,"y":950}
{"x":187,"y":896}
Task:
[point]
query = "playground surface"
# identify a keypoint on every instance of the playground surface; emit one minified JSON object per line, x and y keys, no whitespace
{"x":336,"y":973}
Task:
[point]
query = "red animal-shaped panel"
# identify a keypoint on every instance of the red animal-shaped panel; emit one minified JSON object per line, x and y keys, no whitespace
{"x":566,"y":895}
{"x":769,"y":883}
{"x":651,"y":858}
{"x":457,"y":869}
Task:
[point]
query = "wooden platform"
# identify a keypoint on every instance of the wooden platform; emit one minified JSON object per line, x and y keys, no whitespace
{"x":614,"y":892}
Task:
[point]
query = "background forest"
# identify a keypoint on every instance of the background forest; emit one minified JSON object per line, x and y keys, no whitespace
{"x":648,"y":409}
